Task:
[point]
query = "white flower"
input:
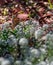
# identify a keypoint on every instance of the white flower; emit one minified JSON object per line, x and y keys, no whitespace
{"x":47,"y":61}
{"x":43,"y":50}
{"x":28,"y":62}
{"x":5,"y":62}
{"x":44,"y":46}
{"x":12,"y":40}
{"x":11,"y":36}
{"x":35,"y":23}
{"x":32,"y":30}
{"x":35,"y":53}
{"x":23,"y":42}
{"x":21,"y":23}
{"x":42,"y":63}
{"x":1,"y":59}
{"x":17,"y":27}
{"x":17,"y":62}
{"x":38,"y":33}
{"x":16,"y":5}
{"x":51,"y":63}
{"x":51,"y":58}
{"x":5,"y":25}
{"x":50,"y":37}
{"x":45,"y":26}
{"x":26,"y":22}
{"x":11,"y":59}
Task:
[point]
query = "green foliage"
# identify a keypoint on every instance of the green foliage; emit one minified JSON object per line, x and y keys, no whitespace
{"x":51,"y":6}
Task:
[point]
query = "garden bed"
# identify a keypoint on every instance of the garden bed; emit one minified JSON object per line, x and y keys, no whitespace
{"x":26,"y":32}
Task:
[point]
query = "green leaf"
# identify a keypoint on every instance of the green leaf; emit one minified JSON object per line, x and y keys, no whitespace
{"x":51,"y":6}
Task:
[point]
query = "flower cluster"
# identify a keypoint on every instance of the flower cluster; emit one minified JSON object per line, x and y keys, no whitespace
{"x":26,"y":44}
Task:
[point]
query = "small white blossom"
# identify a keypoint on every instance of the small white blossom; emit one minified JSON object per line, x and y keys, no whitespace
{"x":16,"y":5}
{"x":1,"y":59}
{"x":42,"y":63}
{"x":50,"y":37}
{"x":35,"y":23}
{"x":5,"y":62}
{"x":27,"y":22}
{"x":23,"y":41}
{"x":21,"y":23}
{"x":28,"y":62}
{"x":12,"y":40}
{"x":47,"y":61}
{"x":17,"y":62}
{"x":44,"y":46}
{"x":32,"y":30}
{"x":35,"y":53}
{"x":45,"y":27}
{"x":5,"y":25}
{"x":38,"y":33}
{"x":51,"y":63}
{"x":43,"y":50}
